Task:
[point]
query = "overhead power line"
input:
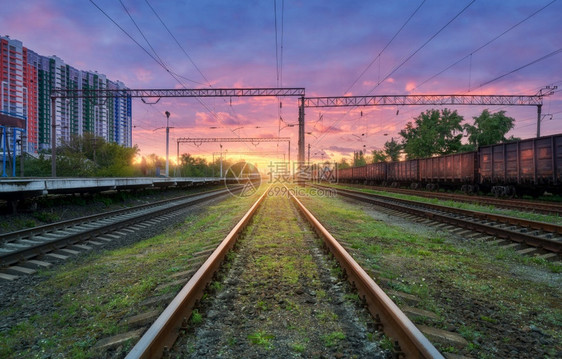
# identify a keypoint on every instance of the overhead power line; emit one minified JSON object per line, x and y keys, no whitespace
{"x":556,"y":52}
{"x":162,"y":64}
{"x":332,"y":126}
{"x":384,"y":48}
{"x":422,"y":46}
{"x":230,"y":108}
{"x":178,"y":43}
{"x":484,"y":45}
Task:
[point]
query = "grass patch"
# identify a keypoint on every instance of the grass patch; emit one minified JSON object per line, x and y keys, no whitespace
{"x":91,"y":295}
{"x":333,"y":338}
{"x":196,"y":317}
{"x":262,"y":339}
{"x":462,"y":205}
{"x":416,"y":260}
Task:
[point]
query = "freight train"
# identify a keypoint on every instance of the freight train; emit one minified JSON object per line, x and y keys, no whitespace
{"x":526,"y":167}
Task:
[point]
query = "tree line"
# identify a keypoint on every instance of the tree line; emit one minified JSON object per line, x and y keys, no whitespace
{"x":440,"y":132}
{"x":92,"y":156}
{"x":431,"y":133}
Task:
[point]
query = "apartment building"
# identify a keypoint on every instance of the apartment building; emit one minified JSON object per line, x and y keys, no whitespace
{"x":26,"y":80}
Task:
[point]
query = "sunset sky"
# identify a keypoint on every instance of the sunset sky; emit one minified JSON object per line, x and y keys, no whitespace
{"x":328,"y":47}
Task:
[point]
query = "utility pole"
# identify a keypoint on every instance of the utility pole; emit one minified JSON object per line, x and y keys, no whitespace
{"x":539,"y":111}
{"x":178,"y":159}
{"x":309,"y":154}
{"x":53,"y":137}
{"x":23,"y":144}
{"x":167,"y":141}
{"x":221,"y":160}
{"x":546,"y":91}
{"x":301,"y":130}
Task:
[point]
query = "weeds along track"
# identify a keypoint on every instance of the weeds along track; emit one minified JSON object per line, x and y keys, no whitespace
{"x":278,"y":295}
{"x":22,"y":252}
{"x":541,"y":239}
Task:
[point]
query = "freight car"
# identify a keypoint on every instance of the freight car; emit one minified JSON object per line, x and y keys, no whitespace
{"x":376,"y":173}
{"x":530,"y":166}
{"x":450,"y":171}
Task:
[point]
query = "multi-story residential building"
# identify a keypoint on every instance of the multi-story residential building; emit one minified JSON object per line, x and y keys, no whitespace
{"x":15,"y":101}
{"x":26,"y":80}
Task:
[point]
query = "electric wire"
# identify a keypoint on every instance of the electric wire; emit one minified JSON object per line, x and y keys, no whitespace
{"x":483,"y":46}
{"x":385,"y":47}
{"x":553,"y":53}
{"x":231,"y":109}
{"x":422,"y":46}
{"x":323,"y":135}
{"x":160,"y":63}
{"x":178,"y":43}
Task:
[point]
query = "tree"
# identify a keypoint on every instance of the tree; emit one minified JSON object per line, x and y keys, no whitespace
{"x":343,"y":164}
{"x":489,"y":128}
{"x":379,"y":156}
{"x":434,"y":132}
{"x":92,"y":156}
{"x":359,"y":159}
{"x":392,"y":149}
{"x":114,"y":160}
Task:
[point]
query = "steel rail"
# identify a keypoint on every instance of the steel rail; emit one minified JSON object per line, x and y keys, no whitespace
{"x":394,"y":322}
{"x":543,"y":226}
{"x":516,"y":236}
{"x":523,"y":205}
{"x":7,"y":259}
{"x":30,"y":232}
{"x":164,"y":331}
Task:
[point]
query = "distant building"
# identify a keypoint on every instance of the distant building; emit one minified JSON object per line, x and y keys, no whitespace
{"x":27,"y":79}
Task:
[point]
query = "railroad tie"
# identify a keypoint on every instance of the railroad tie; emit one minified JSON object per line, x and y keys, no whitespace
{"x":528,"y":250}
{"x":21,"y":270}
{"x":159,"y":300}
{"x":443,"y":336}
{"x":7,"y":276}
{"x":511,"y":246}
{"x":82,"y":247}
{"x":412,"y":299}
{"x":95,"y":243}
{"x":413,"y":312}
{"x":39,"y":263}
{"x":56,"y":256}
{"x":118,"y":339}
{"x":69,"y":251}
{"x":141,"y":319}
{"x":181,"y":281}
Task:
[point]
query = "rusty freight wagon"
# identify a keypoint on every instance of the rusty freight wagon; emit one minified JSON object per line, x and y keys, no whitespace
{"x":451,"y":171}
{"x":403,"y":173}
{"x":528,"y":167}
{"x":376,"y":173}
{"x":359,"y":174}
{"x":345,"y":175}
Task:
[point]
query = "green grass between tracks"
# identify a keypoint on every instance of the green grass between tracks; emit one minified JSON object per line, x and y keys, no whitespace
{"x":555,"y":219}
{"x":84,"y":300}
{"x":421,"y":263}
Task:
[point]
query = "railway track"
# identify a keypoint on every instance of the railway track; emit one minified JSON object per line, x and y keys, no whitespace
{"x":516,"y":204}
{"x":23,"y":251}
{"x":160,"y":338}
{"x":539,"y":238}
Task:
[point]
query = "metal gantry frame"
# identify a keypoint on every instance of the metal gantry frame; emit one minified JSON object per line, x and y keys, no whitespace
{"x":142,"y":93}
{"x":334,"y":101}
{"x":412,"y":100}
{"x":198,"y":141}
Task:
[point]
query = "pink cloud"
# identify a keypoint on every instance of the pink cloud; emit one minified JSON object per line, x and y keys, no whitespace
{"x":143,"y":75}
{"x":410,"y":86}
